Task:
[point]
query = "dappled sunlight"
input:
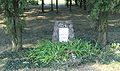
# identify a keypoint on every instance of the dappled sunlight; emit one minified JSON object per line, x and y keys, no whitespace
{"x":38,"y":27}
{"x":1,"y":21}
{"x":78,"y":15}
{"x":41,"y":17}
{"x":24,"y":14}
{"x":2,"y":26}
{"x":36,"y":17}
{"x":116,"y":47}
{"x":30,"y":12}
{"x":63,"y":17}
{"x":111,"y":25}
{"x":30,"y":18}
{"x":3,"y":63}
{"x":27,"y":28}
{"x":115,"y":22}
{"x":27,"y":45}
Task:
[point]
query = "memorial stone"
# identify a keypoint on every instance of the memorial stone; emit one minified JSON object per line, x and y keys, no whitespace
{"x":63,"y":31}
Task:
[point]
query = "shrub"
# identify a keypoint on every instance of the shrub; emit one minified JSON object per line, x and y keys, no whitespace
{"x":48,"y":51}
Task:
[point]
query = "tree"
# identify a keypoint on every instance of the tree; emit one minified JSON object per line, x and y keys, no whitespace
{"x":81,"y":2}
{"x":67,"y":3}
{"x":56,"y":6}
{"x":99,"y":14}
{"x":76,"y":2}
{"x":70,"y":5}
{"x":43,"y":6}
{"x":51,"y":5}
{"x":13,"y":10}
{"x":84,"y":4}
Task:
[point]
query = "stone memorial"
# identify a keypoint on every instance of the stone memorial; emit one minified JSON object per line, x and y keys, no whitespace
{"x":63,"y":31}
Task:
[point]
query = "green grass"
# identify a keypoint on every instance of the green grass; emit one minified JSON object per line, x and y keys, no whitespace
{"x":55,"y":54}
{"x":48,"y":51}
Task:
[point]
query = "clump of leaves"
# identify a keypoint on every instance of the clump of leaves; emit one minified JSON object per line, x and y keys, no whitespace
{"x":115,"y":46}
{"x":48,"y":51}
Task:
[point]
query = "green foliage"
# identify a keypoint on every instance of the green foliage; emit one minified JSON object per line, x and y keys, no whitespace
{"x":116,"y":46}
{"x":48,"y":52}
{"x":13,"y":10}
{"x":8,"y":6}
{"x":33,"y":2}
{"x":106,"y":56}
{"x":99,"y":16}
{"x":110,"y":54}
{"x":1,"y":1}
{"x":98,"y":6}
{"x":22,"y":6}
{"x":10,"y":13}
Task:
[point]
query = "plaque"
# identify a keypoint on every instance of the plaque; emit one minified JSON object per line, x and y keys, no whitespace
{"x":63,"y":34}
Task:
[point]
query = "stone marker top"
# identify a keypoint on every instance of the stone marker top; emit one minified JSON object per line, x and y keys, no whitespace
{"x":63,"y":24}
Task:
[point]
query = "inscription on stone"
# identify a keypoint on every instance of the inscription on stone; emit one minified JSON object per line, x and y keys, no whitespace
{"x":63,"y":34}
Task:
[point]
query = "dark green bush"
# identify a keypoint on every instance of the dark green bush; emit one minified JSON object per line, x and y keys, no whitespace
{"x":48,"y":51}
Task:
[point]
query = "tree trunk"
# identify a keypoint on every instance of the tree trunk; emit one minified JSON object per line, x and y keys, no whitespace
{"x":84,"y":4}
{"x":51,"y":5}
{"x":70,"y":5}
{"x":20,"y":37}
{"x":67,"y":3}
{"x":56,"y":6}
{"x":37,"y":2}
{"x":76,"y":2}
{"x":102,"y":28}
{"x":43,"y":6}
{"x":17,"y":27}
{"x":81,"y":2}
{"x":14,"y":35}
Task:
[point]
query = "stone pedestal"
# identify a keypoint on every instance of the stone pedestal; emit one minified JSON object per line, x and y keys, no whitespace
{"x":63,"y":25}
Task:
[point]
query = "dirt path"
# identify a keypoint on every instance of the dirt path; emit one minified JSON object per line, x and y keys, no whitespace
{"x":89,"y":67}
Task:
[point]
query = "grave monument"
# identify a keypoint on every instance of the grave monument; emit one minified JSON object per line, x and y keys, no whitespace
{"x":63,"y":31}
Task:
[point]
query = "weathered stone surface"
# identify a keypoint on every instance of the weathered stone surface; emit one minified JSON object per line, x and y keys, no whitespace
{"x":63,"y":24}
